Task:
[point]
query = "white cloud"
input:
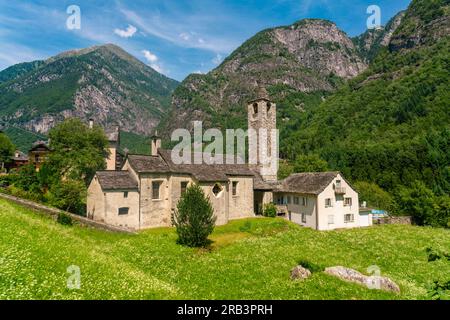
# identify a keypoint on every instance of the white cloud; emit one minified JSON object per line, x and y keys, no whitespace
{"x":217,"y":59}
{"x":185,"y":36}
{"x":175,"y":32}
{"x":151,"y":58}
{"x":153,"y":61}
{"x":128,"y":33}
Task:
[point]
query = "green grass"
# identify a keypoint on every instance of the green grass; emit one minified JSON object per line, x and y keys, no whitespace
{"x":250,"y":259}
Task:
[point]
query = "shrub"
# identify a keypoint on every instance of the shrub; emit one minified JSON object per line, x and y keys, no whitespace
{"x":440,"y":290}
{"x":424,"y":206}
{"x":194,"y":218}
{"x":64,"y":219}
{"x":434,"y":255}
{"x":311,"y":266}
{"x":270,"y":210}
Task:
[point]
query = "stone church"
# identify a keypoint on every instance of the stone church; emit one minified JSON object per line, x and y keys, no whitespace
{"x":144,"y":193}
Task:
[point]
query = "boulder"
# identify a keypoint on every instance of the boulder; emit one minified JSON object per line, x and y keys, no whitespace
{"x":300,"y":273}
{"x":372,"y":282}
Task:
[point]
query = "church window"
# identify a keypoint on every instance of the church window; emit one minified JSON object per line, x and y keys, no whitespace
{"x":235,"y":185}
{"x":156,"y":186}
{"x":217,"y":189}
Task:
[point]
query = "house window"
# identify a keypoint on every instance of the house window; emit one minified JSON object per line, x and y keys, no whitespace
{"x":305,"y":201}
{"x":303,"y":217}
{"x":156,"y":186}
{"x":37,"y":158}
{"x":268,"y":106}
{"x":348,"y":202}
{"x":183,"y":187}
{"x":348,"y":218}
{"x":234,"y":188}
{"x":123,"y":211}
{"x":125,"y":194}
{"x":331,"y":219}
{"x":217,"y":189}
{"x":289,"y":199}
{"x":338,"y":183}
{"x":328,"y":203}
{"x":296,"y":200}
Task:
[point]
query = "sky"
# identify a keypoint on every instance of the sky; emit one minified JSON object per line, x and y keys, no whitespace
{"x":175,"y":37}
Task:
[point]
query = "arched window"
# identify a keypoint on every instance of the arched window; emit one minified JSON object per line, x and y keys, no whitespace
{"x":217,"y":189}
{"x":268,"y":106}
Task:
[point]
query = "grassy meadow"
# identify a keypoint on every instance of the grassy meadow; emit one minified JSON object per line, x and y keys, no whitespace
{"x":249,"y":259}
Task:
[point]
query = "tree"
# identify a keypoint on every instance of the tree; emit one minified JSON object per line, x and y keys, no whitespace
{"x":310,"y":163}
{"x":417,"y":201}
{"x":375,"y":196}
{"x":68,"y":195}
{"x":194,"y":218}
{"x":6,"y":149}
{"x":285,"y":169}
{"x":77,"y":151}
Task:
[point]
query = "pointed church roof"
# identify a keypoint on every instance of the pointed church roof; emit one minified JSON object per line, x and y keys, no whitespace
{"x":260,"y":94}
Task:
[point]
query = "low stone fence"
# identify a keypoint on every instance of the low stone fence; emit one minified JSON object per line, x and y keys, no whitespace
{"x":394,"y":220}
{"x":55,"y":212}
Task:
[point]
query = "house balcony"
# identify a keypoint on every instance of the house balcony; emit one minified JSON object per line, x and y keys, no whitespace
{"x":340,"y":190}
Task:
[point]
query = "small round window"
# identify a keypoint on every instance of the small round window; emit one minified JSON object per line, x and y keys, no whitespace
{"x":217,"y":189}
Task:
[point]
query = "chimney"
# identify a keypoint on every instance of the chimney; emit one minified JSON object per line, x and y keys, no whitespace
{"x":91,"y":123}
{"x":156,"y":144}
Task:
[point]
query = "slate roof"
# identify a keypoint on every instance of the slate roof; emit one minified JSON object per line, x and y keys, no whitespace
{"x":203,"y":172}
{"x":148,"y":164}
{"x":307,"y":183}
{"x":116,"y":180}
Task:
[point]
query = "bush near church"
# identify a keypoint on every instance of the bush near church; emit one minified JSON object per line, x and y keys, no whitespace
{"x":194,"y":218}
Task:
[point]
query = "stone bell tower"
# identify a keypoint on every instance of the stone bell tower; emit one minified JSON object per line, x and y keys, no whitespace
{"x":263,"y":135}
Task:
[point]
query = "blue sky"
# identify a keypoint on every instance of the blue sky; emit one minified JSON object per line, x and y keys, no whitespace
{"x":176,"y":37}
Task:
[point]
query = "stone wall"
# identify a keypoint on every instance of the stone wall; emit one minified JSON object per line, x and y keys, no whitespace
{"x":54,"y":213}
{"x":394,"y":220}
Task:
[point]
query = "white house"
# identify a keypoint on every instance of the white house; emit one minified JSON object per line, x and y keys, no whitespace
{"x":322,"y":201}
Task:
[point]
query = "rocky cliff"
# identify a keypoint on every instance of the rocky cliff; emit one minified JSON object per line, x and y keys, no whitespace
{"x":296,"y":64}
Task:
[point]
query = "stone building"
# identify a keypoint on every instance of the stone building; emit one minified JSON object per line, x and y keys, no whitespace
{"x":144,"y":193}
{"x":115,"y":158}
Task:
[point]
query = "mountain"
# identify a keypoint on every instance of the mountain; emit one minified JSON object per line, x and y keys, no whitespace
{"x":102,"y":82}
{"x":18,"y":70}
{"x":391,"y":124}
{"x":298,"y":65}
{"x":370,"y":42}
